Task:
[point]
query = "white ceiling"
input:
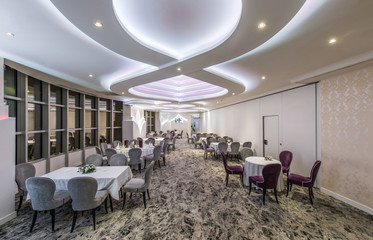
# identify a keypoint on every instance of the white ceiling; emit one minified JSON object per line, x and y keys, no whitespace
{"x":214,"y":41}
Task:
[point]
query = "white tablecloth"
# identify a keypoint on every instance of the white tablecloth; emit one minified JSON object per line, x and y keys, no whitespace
{"x":157,"y":140}
{"x":109,"y":178}
{"x":254,"y":166}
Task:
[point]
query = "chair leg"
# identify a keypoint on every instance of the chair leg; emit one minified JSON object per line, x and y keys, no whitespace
{"x":111,"y":203}
{"x":106,"y":205}
{"x":291,"y":186}
{"x":124,"y":199}
{"x":147,"y":190}
{"x":310,"y":193}
{"x":130,"y":195}
{"x":164,"y":160}
{"x":144,"y":197}
{"x":94,"y":218}
{"x":275,"y":191}
{"x":53,"y":215}
{"x":140,"y":167}
{"x":20,"y":203}
{"x":249,"y":188}
{"x":74,"y":220}
{"x":287,"y":191}
{"x":264,"y":196}
{"x":33,"y":220}
{"x":159,"y":163}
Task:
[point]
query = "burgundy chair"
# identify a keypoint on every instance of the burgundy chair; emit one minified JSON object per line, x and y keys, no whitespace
{"x":285,"y":158}
{"x":237,"y":170}
{"x":304,"y":181}
{"x":268,"y":180}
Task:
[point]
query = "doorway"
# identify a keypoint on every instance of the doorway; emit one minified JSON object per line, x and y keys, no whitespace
{"x":271,"y":136}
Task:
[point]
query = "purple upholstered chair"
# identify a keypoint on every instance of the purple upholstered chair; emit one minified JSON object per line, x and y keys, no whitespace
{"x":285,"y":159}
{"x":238,"y":170}
{"x":268,"y":180}
{"x":304,"y":181}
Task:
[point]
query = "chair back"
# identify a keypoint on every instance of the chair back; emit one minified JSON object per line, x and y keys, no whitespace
{"x":270,"y":174}
{"x":156,"y":153}
{"x":198,"y":136}
{"x":224,"y":162}
{"x":95,"y":159}
{"x":229,"y":139}
{"x":118,"y":160}
{"x":133,"y":141}
{"x":164,"y":135}
{"x":235,"y":147}
{"x":246,"y":152}
{"x":204,"y":145}
{"x":286,"y":158}
{"x":223,"y":146}
{"x":103,"y":146}
{"x":221,"y":140}
{"x":314,"y":171}
{"x":208,"y":141}
{"x":165,"y":145}
{"x":82,"y":191}
{"x":23,"y":172}
{"x":247,"y":144}
{"x":110,"y":152}
{"x":148,"y":175}
{"x":173,"y":141}
{"x":126,"y":143}
{"x":117,"y":143}
{"x":151,"y":140}
{"x":98,"y":150}
{"x":134,"y":155}
{"x":41,"y":191}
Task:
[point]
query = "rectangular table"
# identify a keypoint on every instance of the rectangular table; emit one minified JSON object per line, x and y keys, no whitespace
{"x":110,"y":178}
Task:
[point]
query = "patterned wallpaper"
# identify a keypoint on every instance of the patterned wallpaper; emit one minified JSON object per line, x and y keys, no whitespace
{"x":347,"y":135}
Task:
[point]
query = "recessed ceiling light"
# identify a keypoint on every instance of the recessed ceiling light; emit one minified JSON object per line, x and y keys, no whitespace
{"x":217,"y":102}
{"x":332,"y":41}
{"x":263,"y":77}
{"x":179,"y":69}
{"x":98,"y":24}
{"x":90,"y":75}
{"x":233,"y":94}
{"x":10,"y":34}
{"x":261,"y":25}
{"x":123,"y":93}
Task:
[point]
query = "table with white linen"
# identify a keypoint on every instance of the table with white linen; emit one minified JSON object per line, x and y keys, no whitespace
{"x":110,"y":178}
{"x":254,"y":166}
{"x":146,"y":150}
{"x":158,"y":140}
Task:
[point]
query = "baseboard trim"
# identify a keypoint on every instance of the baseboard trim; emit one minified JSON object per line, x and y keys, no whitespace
{"x":348,"y":201}
{"x":8,"y":217}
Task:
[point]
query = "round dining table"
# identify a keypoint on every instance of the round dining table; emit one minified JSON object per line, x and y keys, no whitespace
{"x":253,"y":167}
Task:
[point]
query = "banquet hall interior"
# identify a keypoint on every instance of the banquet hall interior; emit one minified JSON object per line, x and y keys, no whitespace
{"x":176,"y":119}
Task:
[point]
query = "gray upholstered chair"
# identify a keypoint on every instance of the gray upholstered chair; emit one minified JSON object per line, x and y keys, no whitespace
{"x":164,"y":150}
{"x":118,"y":160}
{"x":133,"y":141}
{"x":117,"y":143}
{"x":138,"y":185}
{"x":23,"y":172}
{"x":208,"y":141}
{"x":247,"y":144}
{"x":246,"y":152}
{"x":189,"y":138}
{"x":135,"y":155}
{"x":207,"y":149}
{"x":164,"y":135}
{"x":44,"y":197}
{"x":151,"y":140}
{"x":196,"y":142}
{"x":156,"y":156}
{"x":104,"y":146}
{"x":98,"y":150}
{"x":235,"y":150}
{"x":222,"y":148}
{"x":229,"y":139}
{"x":110,"y":152}
{"x":83,"y":192}
{"x":95,"y":159}
{"x":172,"y":144}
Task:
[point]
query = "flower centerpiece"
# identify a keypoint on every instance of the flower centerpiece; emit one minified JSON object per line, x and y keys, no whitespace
{"x":268,"y":158}
{"x":88,"y":168}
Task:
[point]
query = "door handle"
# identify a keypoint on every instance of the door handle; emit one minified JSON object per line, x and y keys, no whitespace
{"x":265,"y":142}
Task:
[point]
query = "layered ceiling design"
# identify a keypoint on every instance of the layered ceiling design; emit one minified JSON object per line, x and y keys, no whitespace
{"x":178,"y":55}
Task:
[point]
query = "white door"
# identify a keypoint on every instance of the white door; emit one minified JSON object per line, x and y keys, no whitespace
{"x":271,"y":136}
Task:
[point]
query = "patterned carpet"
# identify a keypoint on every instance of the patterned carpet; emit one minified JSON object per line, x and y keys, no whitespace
{"x":189,"y":200}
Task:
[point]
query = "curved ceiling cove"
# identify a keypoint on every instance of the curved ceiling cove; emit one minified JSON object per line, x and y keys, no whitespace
{"x":180,"y":89}
{"x":179,"y":28}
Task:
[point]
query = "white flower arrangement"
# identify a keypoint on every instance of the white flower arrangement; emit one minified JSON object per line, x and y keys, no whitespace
{"x":268,"y":158}
{"x":89,"y":168}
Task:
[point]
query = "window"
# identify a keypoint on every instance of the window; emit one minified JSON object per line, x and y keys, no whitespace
{"x":90,"y":133}
{"x":150,"y":121}
{"x":105,"y":120}
{"x":118,"y":120}
{"x":75,"y":123}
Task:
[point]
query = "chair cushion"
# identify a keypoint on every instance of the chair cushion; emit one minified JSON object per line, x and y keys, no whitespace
{"x":257,"y":180}
{"x":299,"y":180}
{"x":134,"y":185}
{"x":235,"y":169}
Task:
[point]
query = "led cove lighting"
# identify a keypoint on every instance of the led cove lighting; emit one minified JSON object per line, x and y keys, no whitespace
{"x":261,"y":25}
{"x":99,"y":24}
{"x":332,"y":41}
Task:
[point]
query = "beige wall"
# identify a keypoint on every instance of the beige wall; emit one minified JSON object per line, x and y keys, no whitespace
{"x":347,"y":135}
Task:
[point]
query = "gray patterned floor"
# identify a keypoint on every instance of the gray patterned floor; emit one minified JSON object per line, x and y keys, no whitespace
{"x":189,"y":200}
